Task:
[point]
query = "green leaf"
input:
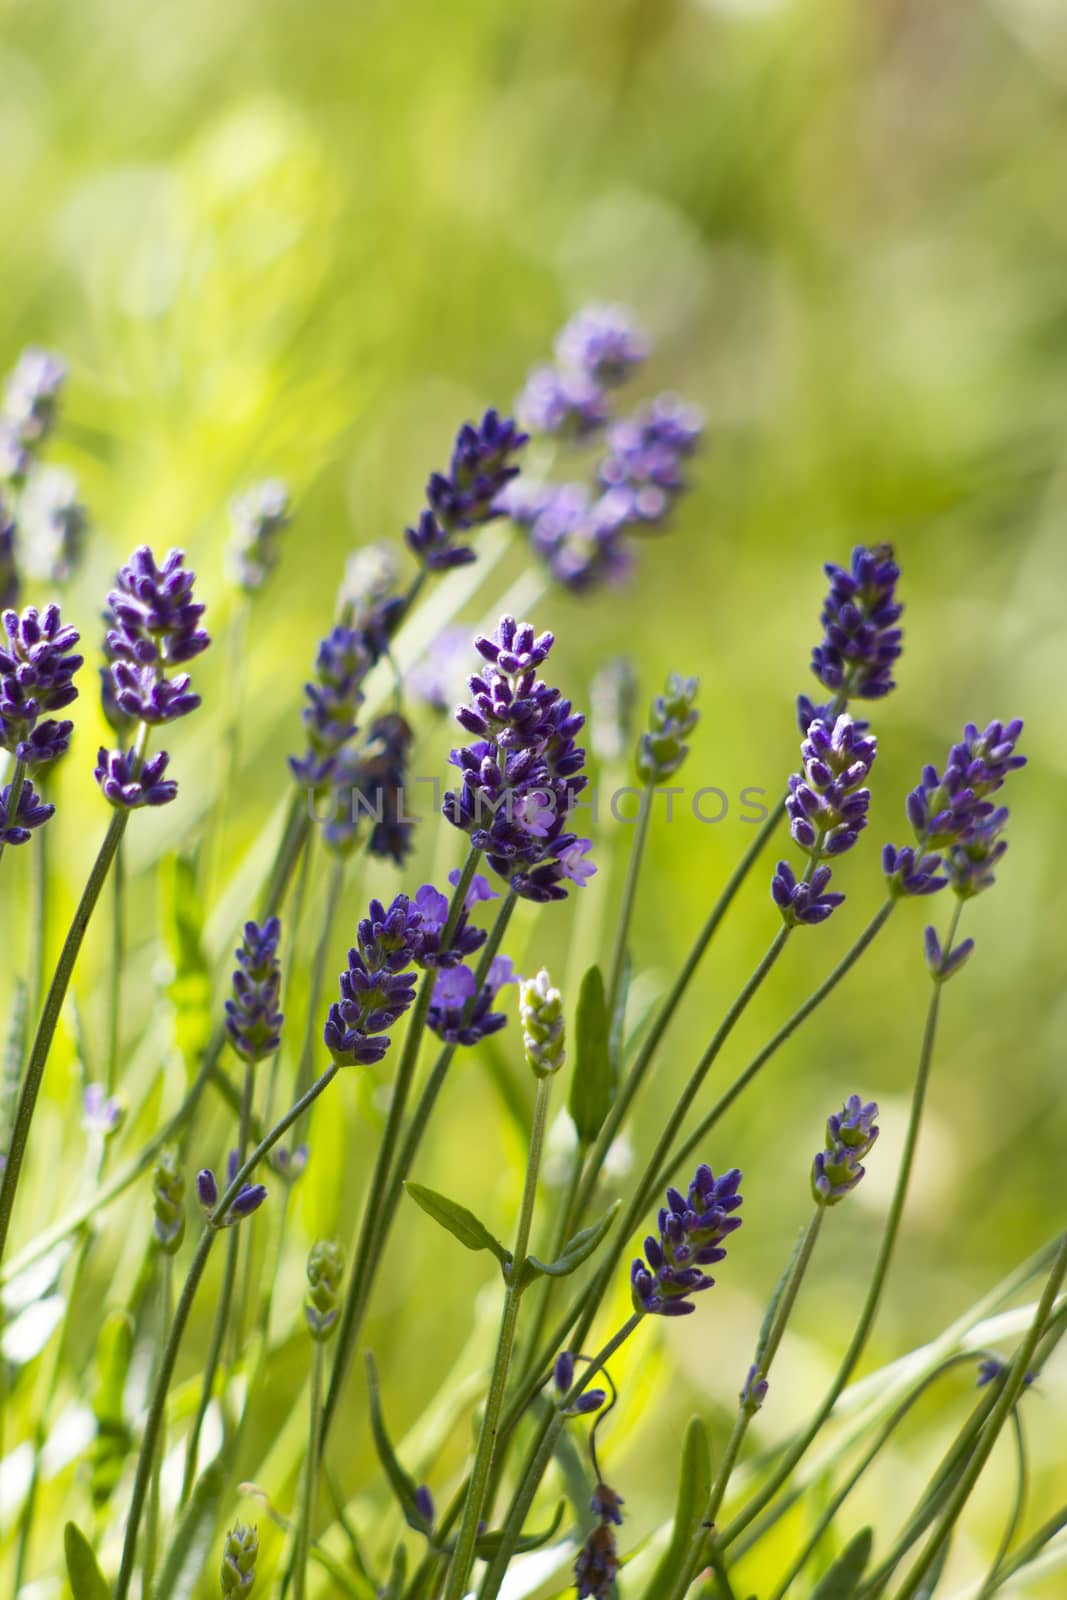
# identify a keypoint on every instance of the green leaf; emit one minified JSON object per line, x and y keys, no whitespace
{"x":575,"y":1251}
{"x":86,"y":1579}
{"x":489,"y":1543}
{"x":617,"y":1022}
{"x":189,"y":989}
{"x":114,"y":1439}
{"x":193,"y":1537}
{"x":461,"y":1223}
{"x":403,"y":1484}
{"x":14,"y":1054}
{"x":592,"y":1082}
{"x":394,"y":1589}
{"x":694,"y":1488}
{"x":841,"y":1581}
{"x":928,"y":1584}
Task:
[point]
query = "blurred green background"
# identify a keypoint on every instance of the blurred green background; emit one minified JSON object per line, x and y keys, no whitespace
{"x":307,"y":240}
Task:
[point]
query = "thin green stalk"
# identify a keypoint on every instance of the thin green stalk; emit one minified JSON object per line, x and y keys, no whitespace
{"x":318,"y":973}
{"x":311,"y":1474}
{"x":1006,"y":1400}
{"x":365,"y":1252}
{"x":764,"y":1360}
{"x":629,"y":895}
{"x":1018,"y":1505}
{"x":463,"y":1556}
{"x":152,"y":1515}
{"x":118,"y":959}
{"x":1032,"y":1547}
{"x":42,"y":1044}
{"x":540,"y":1454}
{"x":858,"y":1342}
{"x":158,"y":1401}
{"x":41,"y":906}
{"x":18,"y":779}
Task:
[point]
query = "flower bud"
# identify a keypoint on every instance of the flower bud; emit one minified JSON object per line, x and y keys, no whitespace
{"x":239,"y":1555}
{"x":325,"y":1269}
{"x":168,"y":1199}
{"x":541,"y":1010}
{"x":663,"y":748}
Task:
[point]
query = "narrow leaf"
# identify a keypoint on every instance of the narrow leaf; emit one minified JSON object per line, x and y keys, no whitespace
{"x":575,"y":1251}
{"x":694,"y":1488}
{"x":841,"y":1581}
{"x":403,"y":1484}
{"x":461,"y":1223}
{"x":489,"y":1543}
{"x":592,"y":1086}
{"x":189,"y":989}
{"x":113,"y":1442}
{"x":928,"y":1584}
{"x":86,"y":1579}
{"x":617,"y":1022}
{"x":193,"y":1537}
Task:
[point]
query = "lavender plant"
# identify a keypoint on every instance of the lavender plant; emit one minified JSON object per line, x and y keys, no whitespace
{"x":427,"y":973}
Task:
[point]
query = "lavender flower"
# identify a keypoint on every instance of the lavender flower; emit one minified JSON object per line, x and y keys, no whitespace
{"x":754,"y":1391}
{"x":911,"y":872}
{"x":55,"y":522}
{"x":672,"y":719}
{"x":692,"y":1229}
{"x":805,"y":902}
{"x":259,"y":518}
{"x":334,"y":698}
{"x":31,"y":396}
{"x":127,"y":783}
{"x":861,"y":640}
{"x":646,"y":455}
{"x":325,"y":1269}
{"x":606,"y":1504}
{"x":433,"y":908}
{"x":102,"y":1114}
{"x":598,"y":1563}
{"x":850,"y":1134}
{"x":827,"y":806}
{"x":155,"y":620}
{"x":375,"y":988}
{"x":944,"y":964}
{"x":460,"y":1012}
{"x":289,"y":1164}
{"x":29,"y":813}
{"x":563,"y":1373}
{"x":374,"y":781}
{"x":253,"y":1020}
{"x":424,"y":1505}
{"x":993,"y":1370}
{"x":239,"y":1556}
{"x":466,"y":495}
{"x":249,"y":1197}
{"x":439,"y":678}
{"x":970,"y":865}
{"x":564,"y":404}
{"x":168,"y":1201}
{"x":603,"y":341}
{"x":38,"y":663}
{"x":522,"y":774}
{"x":581,"y":537}
{"x":10,"y":587}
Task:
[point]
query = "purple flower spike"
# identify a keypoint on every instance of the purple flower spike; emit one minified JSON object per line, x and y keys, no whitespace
{"x":754,"y":1391}
{"x":249,"y":1198}
{"x":692,"y":1231}
{"x":910,"y":872}
{"x":943,"y":966}
{"x":127,"y":786}
{"x":850,"y":1134}
{"x":334,"y":698}
{"x":375,"y":988}
{"x":588,"y":1401}
{"x":468,"y":494}
{"x":568,"y":405}
{"x":372,"y":783}
{"x":602,"y":341}
{"x":155,"y":620}
{"x":37,"y":667}
{"x":31,"y":812}
{"x":459,"y":1012}
{"x":253,"y":1020}
{"x":827,"y":805}
{"x":597,"y":1564}
{"x":803,"y":903}
{"x":207,"y":1189}
{"x":31,"y":396}
{"x":259,"y":518}
{"x":646,"y":456}
{"x":860,"y":616}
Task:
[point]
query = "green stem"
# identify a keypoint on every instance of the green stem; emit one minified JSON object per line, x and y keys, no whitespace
{"x":1017,"y":1507}
{"x":311,"y":1474}
{"x":42,"y":1044}
{"x":540,"y":1454}
{"x":1031,"y":1548}
{"x":165,"y":1371}
{"x":463,"y":1557}
{"x":152,"y":1515}
{"x":118,"y":956}
{"x":367,"y":1247}
{"x":861,"y":1334}
{"x":764,"y":1360}
{"x":40,"y":919}
{"x":1006,"y":1400}
{"x":629,"y":895}
{"x":318,"y":973}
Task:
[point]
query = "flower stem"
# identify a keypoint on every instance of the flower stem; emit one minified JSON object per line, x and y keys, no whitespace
{"x":42,"y":1044}
{"x":311,"y":1474}
{"x":152,"y":1516}
{"x":463,"y":1557}
{"x":863,"y":1328}
{"x":118,"y":954}
{"x":629,"y":895}
{"x":165,"y":1371}
{"x":367,"y":1250}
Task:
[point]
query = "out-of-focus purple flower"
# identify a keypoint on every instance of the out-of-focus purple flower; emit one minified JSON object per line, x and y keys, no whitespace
{"x":850,"y":1134}
{"x":646,"y":456}
{"x":911,"y":871}
{"x":253,"y":1020}
{"x":943,"y":964}
{"x":10,"y":587}
{"x":581,"y":537}
{"x":992,"y":1370}
{"x":259,"y":517}
{"x":754,"y":1391}
{"x":375,"y":988}
{"x":827,"y":805}
{"x":334,"y":698}
{"x":861,"y":639}
{"x":29,"y":813}
{"x":102,"y":1114}
{"x":603,"y":341}
{"x":155,"y":620}
{"x":439,"y":678}
{"x":522,"y":773}
{"x":54,"y":523}
{"x":31,"y":395}
{"x":38,"y":662}
{"x":371,"y":783}
{"x":606,"y":1505}
{"x":672,"y":719}
{"x":692,"y":1231}
{"x":564,"y":404}
{"x":803,"y":902}
{"x":289,"y":1164}
{"x":460,"y":1012}
{"x":127,"y":784}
